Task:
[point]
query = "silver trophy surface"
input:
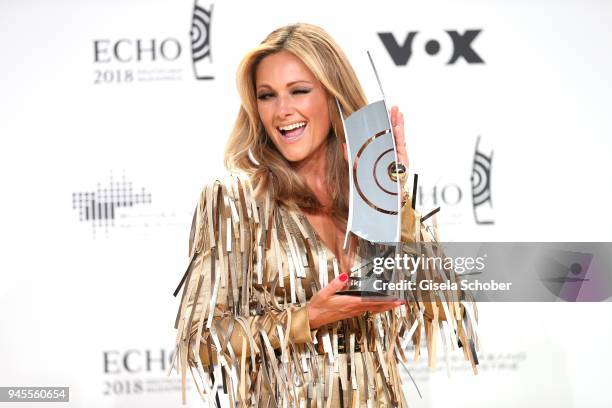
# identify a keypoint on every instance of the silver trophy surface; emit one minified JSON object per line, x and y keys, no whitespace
{"x":374,"y":189}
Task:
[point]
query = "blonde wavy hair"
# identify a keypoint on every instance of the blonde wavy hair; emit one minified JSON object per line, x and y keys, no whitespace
{"x":267,"y":168}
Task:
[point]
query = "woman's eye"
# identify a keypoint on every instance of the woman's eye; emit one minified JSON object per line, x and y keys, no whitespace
{"x":264,"y":96}
{"x":301,"y":91}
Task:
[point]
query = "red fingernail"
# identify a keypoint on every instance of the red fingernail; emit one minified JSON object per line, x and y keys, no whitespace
{"x":343,"y":277}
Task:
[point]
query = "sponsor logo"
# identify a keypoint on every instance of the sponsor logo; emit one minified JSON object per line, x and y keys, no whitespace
{"x":139,"y":372}
{"x":121,"y":60}
{"x":576,"y":272}
{"x":200,"y":41}
{"x":102,"y":206}
{"x":450,"y":194}
{"x":461,"y":46}
{"x":481,"y":186}
{"x":564,"y":273}
{"x":136,"y":361}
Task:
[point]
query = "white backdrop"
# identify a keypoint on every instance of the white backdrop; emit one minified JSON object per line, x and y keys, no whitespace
{"x":87,"y":304}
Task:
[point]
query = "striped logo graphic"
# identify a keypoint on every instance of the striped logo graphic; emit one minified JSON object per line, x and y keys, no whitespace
{"x":200,"y":41}
{"x":481,"y":186}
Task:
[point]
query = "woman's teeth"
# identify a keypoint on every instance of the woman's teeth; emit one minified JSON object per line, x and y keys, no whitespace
{"x":293,"y":131}
{"x":293,"y":126}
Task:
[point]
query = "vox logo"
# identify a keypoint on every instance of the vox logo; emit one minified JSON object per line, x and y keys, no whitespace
{"x":461,"y":44}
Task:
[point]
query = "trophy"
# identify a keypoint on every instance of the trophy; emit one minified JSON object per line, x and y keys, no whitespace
{"x":374,"y":188}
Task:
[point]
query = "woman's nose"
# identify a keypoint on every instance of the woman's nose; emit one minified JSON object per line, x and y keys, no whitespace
{"x":284,"y":107}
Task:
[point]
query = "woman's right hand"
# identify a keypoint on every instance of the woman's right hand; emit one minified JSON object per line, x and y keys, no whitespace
{"x":326,"y":307}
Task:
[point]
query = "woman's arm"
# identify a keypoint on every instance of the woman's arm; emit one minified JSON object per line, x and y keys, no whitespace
{"x":223,"y":312}
{"x":235,"y":331}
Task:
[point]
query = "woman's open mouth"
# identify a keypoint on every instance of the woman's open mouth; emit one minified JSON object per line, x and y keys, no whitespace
{"x":293,"y":132}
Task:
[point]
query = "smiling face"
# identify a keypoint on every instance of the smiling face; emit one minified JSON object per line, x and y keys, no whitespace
{"x":292,"y":105}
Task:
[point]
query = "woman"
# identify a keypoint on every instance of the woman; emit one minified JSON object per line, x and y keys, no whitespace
{"x":259,"y":313}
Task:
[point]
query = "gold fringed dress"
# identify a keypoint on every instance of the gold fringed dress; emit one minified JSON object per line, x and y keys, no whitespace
{"x":243,"y":324}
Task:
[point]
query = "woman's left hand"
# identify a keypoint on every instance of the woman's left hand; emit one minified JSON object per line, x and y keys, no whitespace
{"x":397,"y":121}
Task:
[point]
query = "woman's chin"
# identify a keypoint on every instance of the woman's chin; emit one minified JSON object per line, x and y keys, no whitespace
{"x":294,"y":157}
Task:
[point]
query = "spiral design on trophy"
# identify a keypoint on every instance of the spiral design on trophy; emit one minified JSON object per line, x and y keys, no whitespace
{"x":371,"y":174}
{"x":481,"y":179}
{"x":200,"y":29}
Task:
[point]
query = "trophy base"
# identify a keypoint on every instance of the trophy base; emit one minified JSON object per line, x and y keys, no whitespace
{"x":368,"y":294}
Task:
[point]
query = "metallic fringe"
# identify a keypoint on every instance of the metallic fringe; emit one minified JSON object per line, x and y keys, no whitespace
{"x":229,"y":287}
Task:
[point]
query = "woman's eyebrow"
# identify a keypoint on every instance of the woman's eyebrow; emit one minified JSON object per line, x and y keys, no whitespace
{"x":298,"y":81}
{"x":287,"y":85}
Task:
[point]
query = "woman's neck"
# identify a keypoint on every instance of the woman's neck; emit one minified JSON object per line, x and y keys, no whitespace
{"x":312,"y":172}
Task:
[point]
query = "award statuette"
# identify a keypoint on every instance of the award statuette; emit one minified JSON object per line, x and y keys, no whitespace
{"x":375,"y":191}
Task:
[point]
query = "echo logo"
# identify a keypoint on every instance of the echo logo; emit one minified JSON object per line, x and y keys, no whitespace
{"x":127,"y":50}
{"x":461,"y":47}
{"x":136,"y":361}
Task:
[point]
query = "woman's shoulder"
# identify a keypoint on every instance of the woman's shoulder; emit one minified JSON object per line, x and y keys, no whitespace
{"x":227,"y":196}
{"x":235,"y":185}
